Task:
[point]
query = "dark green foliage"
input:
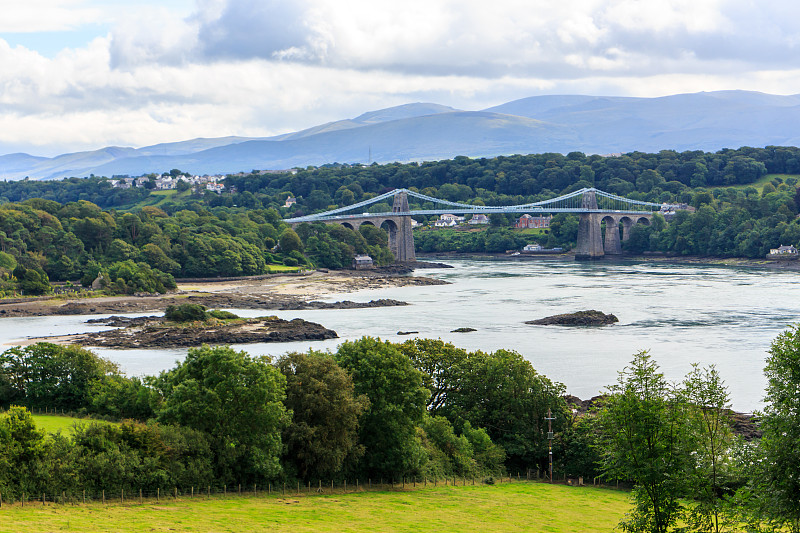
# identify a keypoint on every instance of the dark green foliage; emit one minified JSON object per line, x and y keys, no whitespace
{"x":642,"y":436}
{"x":31,"y":281}
{"x":775,"y":484}
{"x":499,"y":391}
{"x":222,"y":315}
{"x":133,"y":456}
{"x":334,"y":246}
{"x":397,"y":404}
{"x":577,"y":448}
{"x":24,"y":454}
{"x":123,"y":397}
{"x":493,"y":240}
{"x":127,"y":277}
{"x":237,"y":401}
{"x":471,"y":454}
{"x":186,"y":312}
{"x":47,"y":375}
{"x":323,"y":435}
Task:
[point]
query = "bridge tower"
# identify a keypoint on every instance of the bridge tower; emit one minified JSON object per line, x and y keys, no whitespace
{"x":401,"y":238}
{"x":590,"y":239}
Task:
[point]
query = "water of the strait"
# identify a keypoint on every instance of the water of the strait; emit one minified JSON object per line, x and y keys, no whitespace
{"x":682,"y":313}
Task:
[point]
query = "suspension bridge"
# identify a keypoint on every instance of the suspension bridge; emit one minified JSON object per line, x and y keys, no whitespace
{"x":595,"y":208}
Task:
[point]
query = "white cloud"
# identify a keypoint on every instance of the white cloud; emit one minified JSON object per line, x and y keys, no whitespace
{"x":47,"y":15}
{"x":262,"y":67}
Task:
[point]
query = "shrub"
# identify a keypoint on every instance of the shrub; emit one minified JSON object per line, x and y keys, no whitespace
{"x":186,"y":312}
{"x":223,"y":315}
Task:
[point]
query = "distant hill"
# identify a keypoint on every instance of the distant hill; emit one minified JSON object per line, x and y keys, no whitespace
{"x":427,"y":131}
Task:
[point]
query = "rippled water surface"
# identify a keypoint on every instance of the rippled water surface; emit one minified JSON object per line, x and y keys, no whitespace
{"x":681,"y":313}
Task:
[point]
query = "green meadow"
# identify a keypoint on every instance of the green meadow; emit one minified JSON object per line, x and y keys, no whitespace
{"x":515,"y":506}
{"x":58,"y":423}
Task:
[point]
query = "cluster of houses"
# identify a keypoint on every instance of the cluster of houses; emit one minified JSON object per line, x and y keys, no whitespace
{"x":167,"y":182}
{"x":525,"y":221}
{"x":449,"y":221}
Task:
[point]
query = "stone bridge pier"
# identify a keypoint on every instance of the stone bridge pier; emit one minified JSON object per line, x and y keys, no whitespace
{"x":401,"y":236}
{"x":593,"y":242}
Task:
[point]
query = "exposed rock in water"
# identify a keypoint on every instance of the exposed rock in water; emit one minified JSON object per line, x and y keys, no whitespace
{"x":579,"y":318}
{"x":122,"y":321}
{"x":345,"y":304}
{"x":407,"y":332}
{"x":463,"y":330}
{"x":156,"y":332}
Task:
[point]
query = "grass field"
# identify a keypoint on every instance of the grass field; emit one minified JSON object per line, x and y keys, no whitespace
{"x":56,"y":423}
{"x":759,"y":185}
{"x":517,"y":506}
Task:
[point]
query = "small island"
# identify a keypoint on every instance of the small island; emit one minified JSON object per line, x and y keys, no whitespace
{"x":189,"y":325}
{"x":579,"y":318}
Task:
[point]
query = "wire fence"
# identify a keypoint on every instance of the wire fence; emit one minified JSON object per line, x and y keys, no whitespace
{"x":131,"y":497}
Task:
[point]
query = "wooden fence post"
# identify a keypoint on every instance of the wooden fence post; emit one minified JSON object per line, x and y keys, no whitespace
{"x":104,"y":495}
{"x":158,"y":494}
{"x":122,"y":497}
{"x":141,"y":500}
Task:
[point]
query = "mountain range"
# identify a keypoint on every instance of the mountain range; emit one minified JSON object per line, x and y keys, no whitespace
{"x":426,"y":132}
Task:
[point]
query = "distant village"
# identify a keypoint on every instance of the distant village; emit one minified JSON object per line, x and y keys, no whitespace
{"x":167,"y":181}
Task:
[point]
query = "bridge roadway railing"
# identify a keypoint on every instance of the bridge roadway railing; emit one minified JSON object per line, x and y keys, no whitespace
{"x":569,"y":203}
{"x":315,"y":218}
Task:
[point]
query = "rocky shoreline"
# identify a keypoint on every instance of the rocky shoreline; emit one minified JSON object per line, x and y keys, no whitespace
{"x":155,"y":332}
{"x":278,"y":293}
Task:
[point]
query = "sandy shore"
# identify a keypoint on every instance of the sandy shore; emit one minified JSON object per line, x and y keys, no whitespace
{"x":275,"y":292}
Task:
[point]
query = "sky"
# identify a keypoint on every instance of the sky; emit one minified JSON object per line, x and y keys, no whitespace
{"x":83,"y":74}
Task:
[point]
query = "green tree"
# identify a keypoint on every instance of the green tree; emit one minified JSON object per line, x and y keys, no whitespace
{"x":24,"y":454}
{"x":323,"y":434}
{"x":397,"y":403}
{"x":235,"y":399}
{"x":710,"y":437}
{"x":289,"y":241}
{"x":48,"y":375}
{"x":641,"y":441}
{"x":777,"y":484}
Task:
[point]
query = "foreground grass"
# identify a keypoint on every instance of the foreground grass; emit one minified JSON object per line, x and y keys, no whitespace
{"x":518,"y":506}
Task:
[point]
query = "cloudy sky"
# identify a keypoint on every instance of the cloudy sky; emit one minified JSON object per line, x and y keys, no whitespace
{"x":82,"y":74}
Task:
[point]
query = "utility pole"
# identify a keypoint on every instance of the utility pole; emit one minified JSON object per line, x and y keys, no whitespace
{"x":550,"y":419}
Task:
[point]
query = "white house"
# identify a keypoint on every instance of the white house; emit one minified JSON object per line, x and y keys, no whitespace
{"x":442,"y":223}
{"x":450,"y":217}
{"x":783,"y":250}
{"x":479,"y":219}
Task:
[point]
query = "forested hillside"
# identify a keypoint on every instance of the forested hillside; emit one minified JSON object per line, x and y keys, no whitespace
{"x":746,"y":202}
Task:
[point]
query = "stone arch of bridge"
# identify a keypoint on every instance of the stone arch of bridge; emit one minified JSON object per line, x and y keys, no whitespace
{"x":594,"y":243}
{"x":612,"y":244}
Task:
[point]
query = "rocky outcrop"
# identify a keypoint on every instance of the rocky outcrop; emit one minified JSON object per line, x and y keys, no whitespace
{"x":344,"y":304}
{"x":463,"y":330}
{"x":156,"y":332}
{"x":579,"y":318}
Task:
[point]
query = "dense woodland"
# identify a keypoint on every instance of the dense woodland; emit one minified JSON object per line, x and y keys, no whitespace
{"x":420,"y":409}
{"x":75,"y":228}
{"x":143,"y":251}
